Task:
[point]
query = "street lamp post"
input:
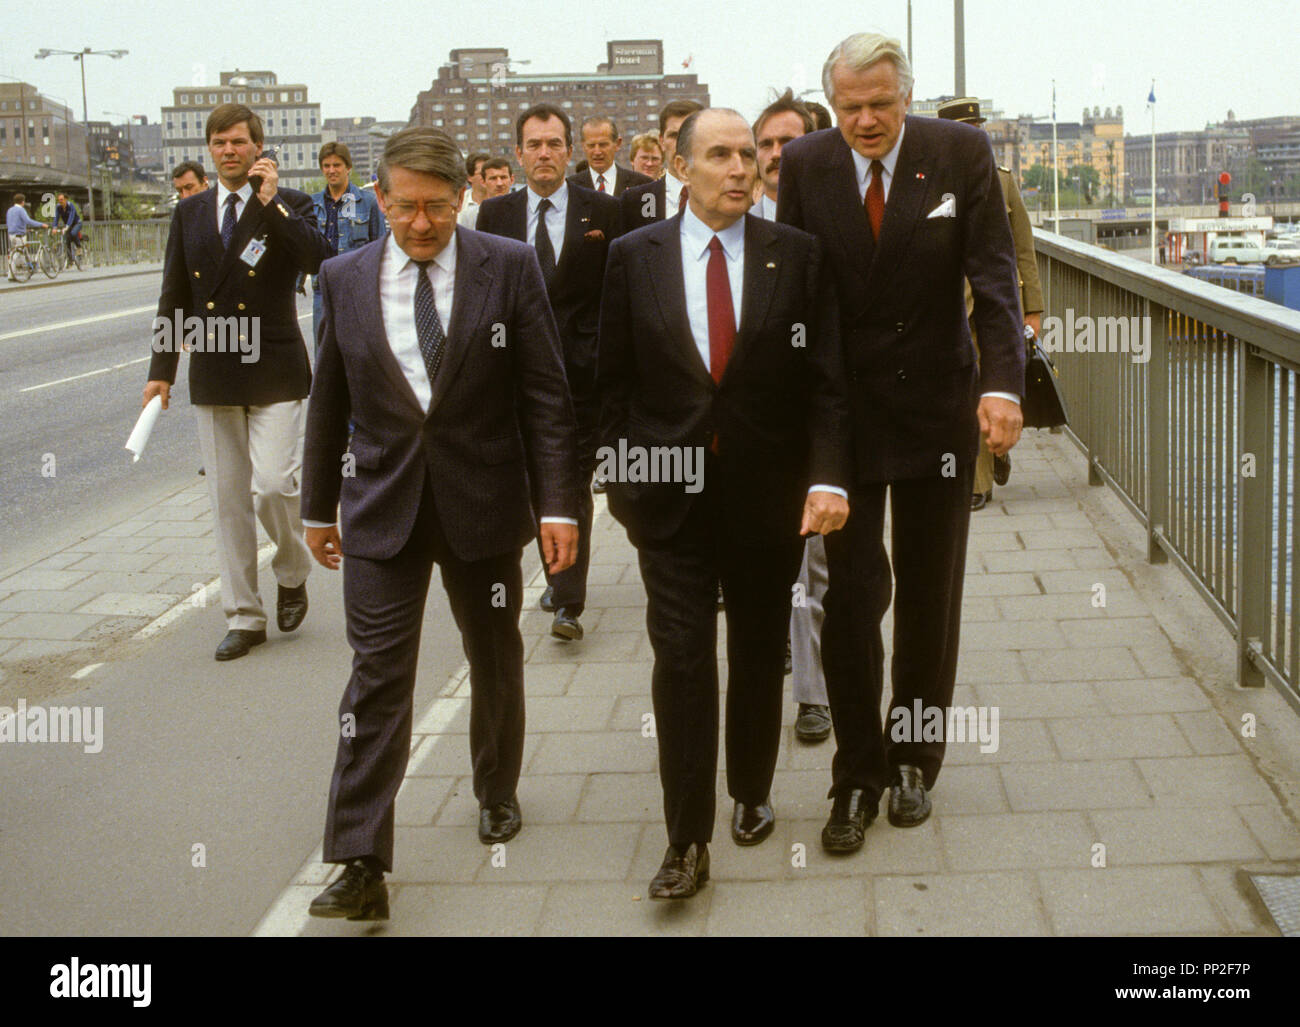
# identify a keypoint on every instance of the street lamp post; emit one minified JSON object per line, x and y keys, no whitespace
{"x":81,"y":55}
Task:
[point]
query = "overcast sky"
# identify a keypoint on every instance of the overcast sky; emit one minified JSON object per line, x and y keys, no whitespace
{"x":372,"y":59}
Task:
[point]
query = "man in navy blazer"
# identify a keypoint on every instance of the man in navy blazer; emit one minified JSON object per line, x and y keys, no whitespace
{"x":720,"y":362}
{"x":579,"y":225}
{"x":906,"y":207}
{"x":438,"y":352}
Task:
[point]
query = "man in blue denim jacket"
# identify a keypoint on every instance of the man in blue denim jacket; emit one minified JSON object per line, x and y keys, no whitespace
{"x":348,"y":217}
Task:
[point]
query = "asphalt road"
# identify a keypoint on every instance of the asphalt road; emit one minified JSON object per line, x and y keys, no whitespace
{"x":234,"y":757}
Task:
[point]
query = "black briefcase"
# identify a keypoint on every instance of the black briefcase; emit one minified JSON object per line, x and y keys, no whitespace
{"x":1044,"y":406}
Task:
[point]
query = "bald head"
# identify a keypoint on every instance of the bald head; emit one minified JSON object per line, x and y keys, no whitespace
{"x":717,"y":159}
{"x":713,"y":119}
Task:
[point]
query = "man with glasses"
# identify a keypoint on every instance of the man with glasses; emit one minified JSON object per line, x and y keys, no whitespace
{"x":438,"y":346}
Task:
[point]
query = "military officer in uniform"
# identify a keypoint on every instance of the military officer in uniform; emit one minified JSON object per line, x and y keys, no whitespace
{"x":990,"y":468}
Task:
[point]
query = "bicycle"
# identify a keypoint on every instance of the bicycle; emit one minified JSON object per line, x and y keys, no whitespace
{"x":63,"y":248}
{"x":23,"y":262}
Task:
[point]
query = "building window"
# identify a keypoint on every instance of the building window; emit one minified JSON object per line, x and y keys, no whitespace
{"x":503,"y":106}
{"x":212,"y":98}
{"x":257,"y":97}
{"x":185,"y":98}
{"x":439,"y":106}
{"x":458,"y":106}
{"x":481,"y":106}
{"x":480,"y":121}
{"x":225,"y":97}
{"x":437,"y":122}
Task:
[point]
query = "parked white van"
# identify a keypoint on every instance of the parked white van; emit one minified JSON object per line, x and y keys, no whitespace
{"x":1235,"y":250}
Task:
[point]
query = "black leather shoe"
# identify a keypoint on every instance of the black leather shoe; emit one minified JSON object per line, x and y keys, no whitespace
{"x":909,"y":804}
{"x":237,"y":643}
{"x":813,"y":723}
{"x":599,"y":486}
{"x":547,"y":602}
{"x":359,"y":894}
{"x":290,"y":607}
{"x":499,"y":823}
{"x":1001,"y":469}
{"x":681,"y":873}
{"x":980,"y":500}
{"x":851,"y":815}
{"x":751,"y":824}
{"x":789,"y":657}
{"x":565,"y":626}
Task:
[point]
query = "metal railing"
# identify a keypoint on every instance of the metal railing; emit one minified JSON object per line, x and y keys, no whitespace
{"x":1199,"y":439}
{"x":117,"y":242}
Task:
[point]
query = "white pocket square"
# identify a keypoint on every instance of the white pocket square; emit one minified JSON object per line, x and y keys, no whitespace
{"x":947,"y":209}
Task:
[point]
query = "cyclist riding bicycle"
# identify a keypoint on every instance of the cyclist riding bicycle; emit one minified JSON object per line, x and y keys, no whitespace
{"x":17,"y":221}
{"x":66,"y":214}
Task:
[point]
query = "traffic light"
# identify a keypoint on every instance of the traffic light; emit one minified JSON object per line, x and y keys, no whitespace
{"x":1225,"y":180}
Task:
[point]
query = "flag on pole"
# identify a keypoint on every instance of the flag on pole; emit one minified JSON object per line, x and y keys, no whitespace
{"x":1151,"y":96}
{"x":690,"y":59}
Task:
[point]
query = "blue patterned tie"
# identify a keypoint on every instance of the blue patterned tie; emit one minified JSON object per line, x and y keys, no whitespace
{"x":228,"y":222}
{"x":428,"y":326}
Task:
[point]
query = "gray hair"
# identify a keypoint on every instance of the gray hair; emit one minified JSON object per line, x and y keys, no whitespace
{"x":426,"y":150}
{"x":859,"y":52}
{"x":686,"y":133}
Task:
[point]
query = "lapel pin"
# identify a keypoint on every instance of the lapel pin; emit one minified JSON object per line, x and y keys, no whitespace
{"x":920,"y":175}
{"x":770,"y":264}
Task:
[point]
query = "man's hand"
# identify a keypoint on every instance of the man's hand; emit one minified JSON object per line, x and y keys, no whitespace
{"x":1035,"y":321}
{"x":265,"y":167}
{"x":157,"y":388}
{"x":326,"y":546}
{"x":559,"y":546}
{"x":823,"y":512}
{"x":1000,"y":423}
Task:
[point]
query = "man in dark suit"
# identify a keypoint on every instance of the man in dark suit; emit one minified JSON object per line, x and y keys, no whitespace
{"x":572,"y":241}
{"x":233,"y":255}
{"x":601,"y":143}
{"x":451,"y":428}
{"x":719,"y":366}
{"x":660,"y":199}
{"x":905,"y":207}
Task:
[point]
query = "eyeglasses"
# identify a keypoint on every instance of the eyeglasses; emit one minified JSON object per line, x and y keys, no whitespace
{"x":403,"y":211}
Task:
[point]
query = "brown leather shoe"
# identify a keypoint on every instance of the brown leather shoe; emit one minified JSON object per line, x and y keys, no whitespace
{"x":681,"y":873}
{"x":359,"y":894}
{"x":909,"y":805}
{"x":751,"y":824}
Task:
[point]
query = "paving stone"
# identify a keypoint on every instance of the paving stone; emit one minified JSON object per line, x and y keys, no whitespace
{"x":621,"y":910}
{"x":420,"y":798}
{"x":994,"y":542}
{"x":1002,"y":635}
{"x":50,"y":626}
{"x":974,"y":668}
{"x":961,"y":905}
{"x":602,"y":647}
{"x":128,"y":604}
{"x":1108,"y":738}
{"x":1208,"y":734}
{"x":569,"y":713}
{"x":437,"y":855}
{"x":125,"y":581}
{"x":1014,"y":841}
{"x":976,"y":609}
{"x":797,"y":909}
{"x":964,"y":789}
{"x":176,"y":529}
{"x":1090,"y":784}
{"x":1083,"y":580}
{"x":536,"y":852}
{"x":1133,"y":632}
{"x":981,"y":584}
{"x":1158,"y":661}
{"x":127,"y":563}
{"x":1025,"y":700}
{"x":125,"y":529}
{"x":543,"y":799}
{"x":631,"y":677}
{"x":56,"y":561}
{"x":1205,"y":781}
{"x":45,"y":601}
{"x":102,"y":543}
{"x":1081,"y":665}
{"x":203,"y":567}
{"x":448,"y":755}
{"x":1153,"y":695}
{"x":1002,"y":521}
{"x":1127,"y":900}
{"x":1277,"y":834}
{"x":40,"y":581}
{"x":1174,"y":835}
{"x":1070,"y":607}
{"x":633,"y":797}
{"x":183,"y":546}
{"x":591,"y":752}
{"x":1024,"y":741}
{"x":44,"y":648}
{"x":887,"y":850}
{"x":1232,"y":894}
{"x":1059,"y":539}
{"x":616,"y":595}
{"x":547,"y":679}
{"x":1029,"y":560}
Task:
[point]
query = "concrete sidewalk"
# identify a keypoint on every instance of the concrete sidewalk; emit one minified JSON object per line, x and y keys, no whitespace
{"x":71,"y":275}
{"x":1122,"y":797}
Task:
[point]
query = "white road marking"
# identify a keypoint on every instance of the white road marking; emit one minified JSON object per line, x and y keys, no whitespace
{"x":87,"y":374}
{"x":87,"y":669}
{"x":101,"y":370}
{"x":74,"y":324}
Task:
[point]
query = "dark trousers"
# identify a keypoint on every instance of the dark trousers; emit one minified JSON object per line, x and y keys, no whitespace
{"x":681,"y":579}
{"x":930,"y":520}
{"x":384,"y":603}
{"x":570,"y":585}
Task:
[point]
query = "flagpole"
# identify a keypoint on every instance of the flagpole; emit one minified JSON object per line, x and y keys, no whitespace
{"x":1153,"y":172}
{"x":1056,"y":174}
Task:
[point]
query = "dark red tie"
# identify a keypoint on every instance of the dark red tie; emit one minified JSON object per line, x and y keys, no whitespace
{"x":722,"y":315}
{"x":600,"y":184}
{"x":876,"y":199}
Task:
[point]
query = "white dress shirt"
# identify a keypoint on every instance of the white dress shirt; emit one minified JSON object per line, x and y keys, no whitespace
{"x":696,"y":237}
{"x":468,"y":215}
{"x":890,"y":161}
{"x":244,"y":192}
{"x":764,"y":208}
{"x":554,"y":217}
{"x":398,"y":277}
{"x":672,"y":195}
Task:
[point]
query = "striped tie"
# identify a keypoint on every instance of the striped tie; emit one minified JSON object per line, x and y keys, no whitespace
{"x":428,"y":327}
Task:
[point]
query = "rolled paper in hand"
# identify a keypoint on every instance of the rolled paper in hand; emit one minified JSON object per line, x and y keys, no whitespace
{"x":140,"y":433}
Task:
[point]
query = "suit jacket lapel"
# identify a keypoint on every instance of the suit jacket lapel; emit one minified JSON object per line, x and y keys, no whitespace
{"x":249,"y":224}
{"x":851,"y":216}
{"x":368,"y":287}
{"x":903,"y":211}
{"x":518,"y":206}
{"x":472,"y":285}
{"x":664,"y":266}
{"x":577,"y":221}
{"x":761,"y":268}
